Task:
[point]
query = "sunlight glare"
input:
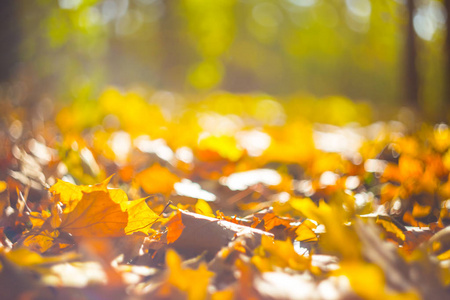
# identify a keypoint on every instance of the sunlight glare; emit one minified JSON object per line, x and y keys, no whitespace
{"x":243,"y":180}
{"x":191,"y":189}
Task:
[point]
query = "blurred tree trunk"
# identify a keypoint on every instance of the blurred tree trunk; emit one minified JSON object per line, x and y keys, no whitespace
{"x":173,"y":49}
{"x":446,"y":103}
{"x":411,"y":78}
{"x":9,"y":39}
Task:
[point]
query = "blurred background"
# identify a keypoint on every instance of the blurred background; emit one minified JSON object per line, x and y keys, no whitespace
{"x":389,"y":53}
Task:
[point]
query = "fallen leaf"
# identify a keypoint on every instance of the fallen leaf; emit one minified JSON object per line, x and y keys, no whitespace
{"x":202,"y":207}
{"x":273,"y":253}
{"x":140,"y":216}
{"x":271,"y":220}
{"x":95,"y":215}
{"x":70,"y":194}
{"x":192,"y":282}
{"x":175,"y":227}
{"x":202,"y":233}
{"x":305,"y":232}
{"x":157,"y":179}
{"x":40,"y":241}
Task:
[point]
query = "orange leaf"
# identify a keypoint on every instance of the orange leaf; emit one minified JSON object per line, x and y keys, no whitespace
{"x":420,"y":211}
{"x":271,"y":220}
{"x":415,"y":237}
{"x":95,"y":215}
{"x":175,"y":227}
{"x":410,"y":167}
{"x":409,"y":219}
{"x":157,"y":179}
{"x":96,"y":211}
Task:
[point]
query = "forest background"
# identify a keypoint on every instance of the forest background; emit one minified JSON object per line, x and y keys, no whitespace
{"x":389,"y":53}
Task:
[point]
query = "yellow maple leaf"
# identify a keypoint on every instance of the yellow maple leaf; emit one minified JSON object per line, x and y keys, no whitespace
{"x":108,"y":213}
{"x":140,"y":217}
{"x":70,"y":194}
{"x":194,"y":283}
{"x":89,"y":211}
{"x":95,"y":215}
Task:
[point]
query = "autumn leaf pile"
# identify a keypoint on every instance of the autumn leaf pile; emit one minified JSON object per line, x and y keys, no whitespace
{"x":151,"y":195}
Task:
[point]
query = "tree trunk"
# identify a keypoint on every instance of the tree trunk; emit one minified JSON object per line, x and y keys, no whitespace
{"x":9,"y":39}
{"x":446,"y":101}
{"x":411,"y":78}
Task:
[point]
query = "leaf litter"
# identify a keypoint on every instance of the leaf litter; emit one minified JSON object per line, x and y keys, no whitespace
{"x":172,"y":208}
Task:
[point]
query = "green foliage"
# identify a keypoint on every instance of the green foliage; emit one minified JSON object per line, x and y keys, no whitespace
{"x":351,"y":48}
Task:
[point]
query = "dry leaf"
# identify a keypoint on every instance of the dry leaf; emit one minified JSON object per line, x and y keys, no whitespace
{"x":175,"y":227}
{"x":202,"y":233}
{"x":95,"y":215}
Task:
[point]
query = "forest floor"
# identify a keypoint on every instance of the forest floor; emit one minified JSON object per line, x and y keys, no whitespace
{"x":137,"y":196}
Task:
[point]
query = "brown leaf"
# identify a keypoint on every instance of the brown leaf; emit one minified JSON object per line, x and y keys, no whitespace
{"x":399,"y":274}
{"x":202,"y":233}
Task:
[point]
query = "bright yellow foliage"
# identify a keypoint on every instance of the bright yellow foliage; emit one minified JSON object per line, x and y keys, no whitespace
{"x":192,"y":283}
